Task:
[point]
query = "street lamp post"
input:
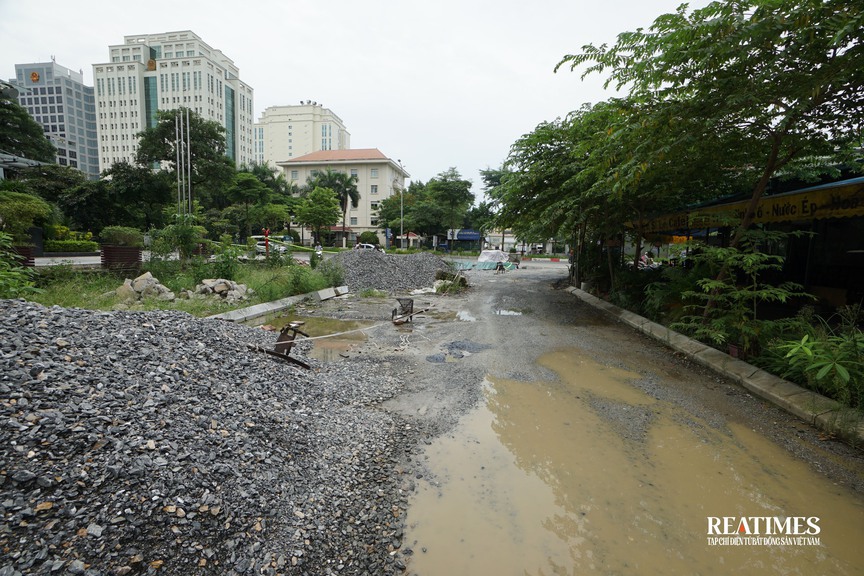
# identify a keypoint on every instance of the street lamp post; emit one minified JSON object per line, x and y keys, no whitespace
{"x":401,"y":206}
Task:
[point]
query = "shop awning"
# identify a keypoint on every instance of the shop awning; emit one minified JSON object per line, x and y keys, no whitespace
{"x":844,"y":199}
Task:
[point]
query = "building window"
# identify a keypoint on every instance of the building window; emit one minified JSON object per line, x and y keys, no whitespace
{"x":374,"y":172}
{"x":374,"y":189}
{"x":294,"y":175}
{"x":354,"y":173}
{"x":353,"y":221}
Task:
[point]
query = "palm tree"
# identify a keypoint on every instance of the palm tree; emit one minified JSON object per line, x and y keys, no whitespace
{"x":343,"y":185}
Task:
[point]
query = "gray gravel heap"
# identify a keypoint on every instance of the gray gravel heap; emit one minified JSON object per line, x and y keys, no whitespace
{"x":158,"y":443}
{"x":372,"y":270}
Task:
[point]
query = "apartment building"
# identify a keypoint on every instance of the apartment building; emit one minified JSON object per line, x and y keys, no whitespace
{"x":285,"y":132}
{"x":57,"y":98}
{"x":378,"y":177}
{"x":152,"y":72}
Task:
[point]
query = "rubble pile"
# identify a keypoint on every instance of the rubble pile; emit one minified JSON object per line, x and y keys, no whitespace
{"x":155,"y":442}
{"x":146,"y":285}
{"x":373,"y":270}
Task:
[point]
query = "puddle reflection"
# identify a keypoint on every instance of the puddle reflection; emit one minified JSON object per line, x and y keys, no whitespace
{"x":550,"y":478}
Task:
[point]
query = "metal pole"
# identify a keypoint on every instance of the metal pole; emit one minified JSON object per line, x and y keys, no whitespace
{"x":189,"y":158}
{"x":177,"y":162}
{"x":401,"y":206}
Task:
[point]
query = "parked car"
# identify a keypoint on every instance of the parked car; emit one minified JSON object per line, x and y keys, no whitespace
{"x":368,"y":247}
{"x":261,"y":247}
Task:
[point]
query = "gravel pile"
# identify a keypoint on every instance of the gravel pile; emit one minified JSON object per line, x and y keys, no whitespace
{"x":372,"y":270}
{"x":158,"y":443}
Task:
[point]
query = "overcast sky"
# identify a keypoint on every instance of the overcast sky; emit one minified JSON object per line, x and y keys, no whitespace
{"x":447,"y":83}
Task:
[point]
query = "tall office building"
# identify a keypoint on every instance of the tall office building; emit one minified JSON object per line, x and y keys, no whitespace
{"x":57,"y":98}
{"x":152,"y":72}
{"x":286,"y":132}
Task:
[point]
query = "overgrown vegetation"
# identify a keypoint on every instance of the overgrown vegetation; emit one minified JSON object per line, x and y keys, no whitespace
{"x":16,"y":280}
{"x":823,"y":354}
{"x":65,"y":286}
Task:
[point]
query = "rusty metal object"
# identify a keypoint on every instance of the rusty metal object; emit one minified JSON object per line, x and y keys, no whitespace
{"x":285,"y":343}
{"x":405,"y":312}
{"x":406,"y":309}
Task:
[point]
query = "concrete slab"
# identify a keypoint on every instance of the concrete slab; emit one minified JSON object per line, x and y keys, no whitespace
{"x":632,"y":319}
{"x":713,"y":358}
{"x":325,"y":294}
{"x":684,"y":344}
{"x":657,"y":331}
{"x":258,"y":310}
{"x":845,"y":423}
{"x":341,"y":290}
{"x":769,"y":386}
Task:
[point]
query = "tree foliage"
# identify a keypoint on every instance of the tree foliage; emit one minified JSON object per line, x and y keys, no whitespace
{"x":344,"y":185}
{"x":452,"y":193}
{"x":319,"y":209}
{"x":776,"y":81}
{"x":211,"y":170}
{"x":21,"y":135}
{"x":19,"y":211}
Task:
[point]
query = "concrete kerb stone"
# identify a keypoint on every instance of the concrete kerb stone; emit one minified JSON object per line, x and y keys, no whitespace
{"x":325,"y":294}
{"x":258,"y":310}
{"x":822,"y":412}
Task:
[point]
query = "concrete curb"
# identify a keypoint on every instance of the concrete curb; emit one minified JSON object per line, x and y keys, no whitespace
{"x":250,"y":312}
{"x":819,"y":411}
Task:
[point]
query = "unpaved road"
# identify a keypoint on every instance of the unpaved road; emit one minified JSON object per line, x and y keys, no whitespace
{"x":553,"y":377}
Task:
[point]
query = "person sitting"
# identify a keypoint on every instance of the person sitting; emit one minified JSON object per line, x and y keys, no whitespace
{"x":647,"y":260}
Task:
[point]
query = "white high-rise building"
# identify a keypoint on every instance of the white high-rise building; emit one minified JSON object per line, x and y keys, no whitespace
{"x":286,"y":132}
{"x":152,"y":72}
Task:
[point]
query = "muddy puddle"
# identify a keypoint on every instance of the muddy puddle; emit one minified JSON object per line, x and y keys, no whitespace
{"x":588,"y":474}
{"x":332,"y":338}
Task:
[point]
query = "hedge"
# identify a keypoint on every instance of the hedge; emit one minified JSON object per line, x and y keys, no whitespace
{"x":70,"y":246}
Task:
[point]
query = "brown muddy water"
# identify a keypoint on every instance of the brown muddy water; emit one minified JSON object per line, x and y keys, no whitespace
{"x":589,"y":474}
{"x":331,"y":337}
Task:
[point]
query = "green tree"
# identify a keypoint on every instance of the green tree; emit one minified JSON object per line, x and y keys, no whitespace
{"x":51,"y":181}
{"x":248,"y":191}
{"x":20,"y":135}
{"x":140,"y":193}
{"x":272,"y":216}
{"x":776,"y":81}
{"x":212,"y":171}
{"x":345,"y":187}
{"x":319,"y":209}
{"x":397,"y":211}
{"x":281,"y":190}
{"x":91,"y":206}
{"x":453,"y":193}
{"x":20,"y":211}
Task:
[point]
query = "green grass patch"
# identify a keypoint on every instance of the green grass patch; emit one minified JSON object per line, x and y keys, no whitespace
{"x":96,"y":289}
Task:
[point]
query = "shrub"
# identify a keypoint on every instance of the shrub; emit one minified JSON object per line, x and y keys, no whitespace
{"x":15,"y":280}
{"x":226,"y":261}
{"x":332,"y":273}
{"x":70,"y":246}
{"x":122,"y":236}
{"x":829,"y":358}
{"x":723,"y":309}
{"x":19,"y":211}
{"x":368,"y":237}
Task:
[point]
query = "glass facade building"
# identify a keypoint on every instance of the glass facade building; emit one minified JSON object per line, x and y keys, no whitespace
{"x":57,"y":98}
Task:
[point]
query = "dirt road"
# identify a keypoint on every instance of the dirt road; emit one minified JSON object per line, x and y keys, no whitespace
{"x":558,"y":440}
